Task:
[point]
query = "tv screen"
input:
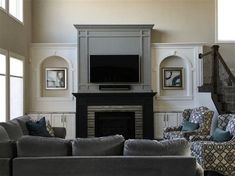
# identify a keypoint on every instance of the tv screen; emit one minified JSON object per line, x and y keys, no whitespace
{"x":114,"y":69}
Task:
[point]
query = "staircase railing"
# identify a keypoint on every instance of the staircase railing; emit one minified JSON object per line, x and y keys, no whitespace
{"x":219,"y":80}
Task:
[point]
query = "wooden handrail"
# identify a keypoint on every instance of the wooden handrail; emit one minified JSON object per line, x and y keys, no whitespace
{"x":216,"y":55}
{"x":231,"y":76}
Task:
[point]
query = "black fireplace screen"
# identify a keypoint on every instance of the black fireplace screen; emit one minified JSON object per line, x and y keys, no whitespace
{"x":111,"y":123}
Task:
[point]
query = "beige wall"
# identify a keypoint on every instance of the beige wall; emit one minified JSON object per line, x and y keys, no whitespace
{"x":15,"y":37}
{"x":175,"y":20}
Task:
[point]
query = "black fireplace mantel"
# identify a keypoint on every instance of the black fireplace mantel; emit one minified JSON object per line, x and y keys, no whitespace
{"x":83,"y":100}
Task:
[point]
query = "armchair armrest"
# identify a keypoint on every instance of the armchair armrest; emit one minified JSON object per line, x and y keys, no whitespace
{"x":212,"y":154}
{"x":194,"y":138}
{"x":174,"y":128}
{"x":59,"y":132}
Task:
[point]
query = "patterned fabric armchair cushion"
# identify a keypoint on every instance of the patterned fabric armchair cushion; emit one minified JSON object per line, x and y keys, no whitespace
{"x":201,"y":115}
{"x":214,"y":156}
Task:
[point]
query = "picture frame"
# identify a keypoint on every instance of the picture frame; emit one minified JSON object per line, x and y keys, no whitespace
{"x":172,"y":78}
{"x":56,"y":78}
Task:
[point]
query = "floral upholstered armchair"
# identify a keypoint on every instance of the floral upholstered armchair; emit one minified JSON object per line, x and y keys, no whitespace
{"x":214,"y":155}
{"x":200,"y":116}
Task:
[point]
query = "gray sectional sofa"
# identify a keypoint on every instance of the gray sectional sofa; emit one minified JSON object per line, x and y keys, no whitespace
{"x":104,"y":156}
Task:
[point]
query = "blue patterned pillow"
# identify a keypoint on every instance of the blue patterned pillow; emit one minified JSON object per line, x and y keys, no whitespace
{"x":231,"y":126}
{"x":38,"y":128}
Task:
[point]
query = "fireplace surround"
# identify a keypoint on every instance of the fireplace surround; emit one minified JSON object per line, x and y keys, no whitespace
{"x":139,"y":103}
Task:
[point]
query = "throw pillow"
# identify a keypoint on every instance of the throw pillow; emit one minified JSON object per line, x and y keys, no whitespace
{"x":221,"y":135}
{"x":38,"y":128}
{"x":231,"y":126}
{"x":189,"y":126}
{"x":99,"y":146}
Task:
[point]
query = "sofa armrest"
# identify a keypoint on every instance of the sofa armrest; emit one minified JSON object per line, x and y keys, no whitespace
{"x":59,"y":132}
{"x":7,"y":149}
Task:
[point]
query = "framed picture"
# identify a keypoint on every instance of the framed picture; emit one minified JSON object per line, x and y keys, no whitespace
{"x":172,"y":78}
{"x":56,"y":78}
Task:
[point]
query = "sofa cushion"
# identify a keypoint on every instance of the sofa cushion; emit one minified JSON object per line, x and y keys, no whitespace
{"x":36,"y":146}
{"x":3,"y":134}
{"x":22,"y":122}
{"x":145,"y":147}
{"x":100,"y":146}
{"x":13,"y":129}
{"x":38,"y":128}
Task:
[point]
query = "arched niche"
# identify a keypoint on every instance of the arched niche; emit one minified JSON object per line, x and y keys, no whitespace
{"x":174,"y":61}
{"x":53,"y":62}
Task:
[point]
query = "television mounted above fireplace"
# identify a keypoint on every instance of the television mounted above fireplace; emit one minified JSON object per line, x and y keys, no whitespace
{"x":114,"y":69}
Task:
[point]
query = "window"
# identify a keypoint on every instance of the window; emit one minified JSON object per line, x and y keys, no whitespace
{"x":225,"y":23}
{"x":2,"y":88}
{"x":16,"y":9}
{"x":3,"y":4}
{"x":16,"y":87}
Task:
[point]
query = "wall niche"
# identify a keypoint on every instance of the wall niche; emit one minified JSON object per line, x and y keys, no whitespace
{"x":54,"y":62}
{"x":172,"y":62}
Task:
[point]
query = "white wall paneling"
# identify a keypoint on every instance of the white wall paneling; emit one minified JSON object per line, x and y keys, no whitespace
{"x":40,"y":52}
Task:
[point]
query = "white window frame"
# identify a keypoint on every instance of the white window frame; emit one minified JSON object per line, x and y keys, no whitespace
{"x":4,"y":8}
{"x":17,"y":56}
{"x":4,"y":52}
{"x":216,"y":27}
{"x":7,"y":10}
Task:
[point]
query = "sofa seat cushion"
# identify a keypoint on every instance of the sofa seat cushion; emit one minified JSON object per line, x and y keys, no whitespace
{"x":145,"y":147}
{"x":36,"y":146}
{"x":13,"y":129}
{"x":100,"y":146}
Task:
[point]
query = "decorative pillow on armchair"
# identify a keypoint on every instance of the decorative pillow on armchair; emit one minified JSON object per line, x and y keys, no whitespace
{"x":223,"y":120}
{"x":189,"y":126}
{"x":221,"y":135}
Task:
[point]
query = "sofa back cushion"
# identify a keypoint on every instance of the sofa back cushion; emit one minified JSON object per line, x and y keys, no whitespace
{"x":3,"y":134}
{"x":100,"y":146}
{"x":22,"y":122}
{"x":36,"y":146}
{"x":231,"y":127}
{"x":145,"y":147}
{"x":13,"y":129}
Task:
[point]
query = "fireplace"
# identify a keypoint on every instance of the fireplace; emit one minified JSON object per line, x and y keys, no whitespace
{"x":89,"y":104}
{"x":111,"y":123}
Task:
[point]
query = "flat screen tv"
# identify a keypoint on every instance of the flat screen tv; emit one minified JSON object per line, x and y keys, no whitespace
{"x":114,"y":68}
